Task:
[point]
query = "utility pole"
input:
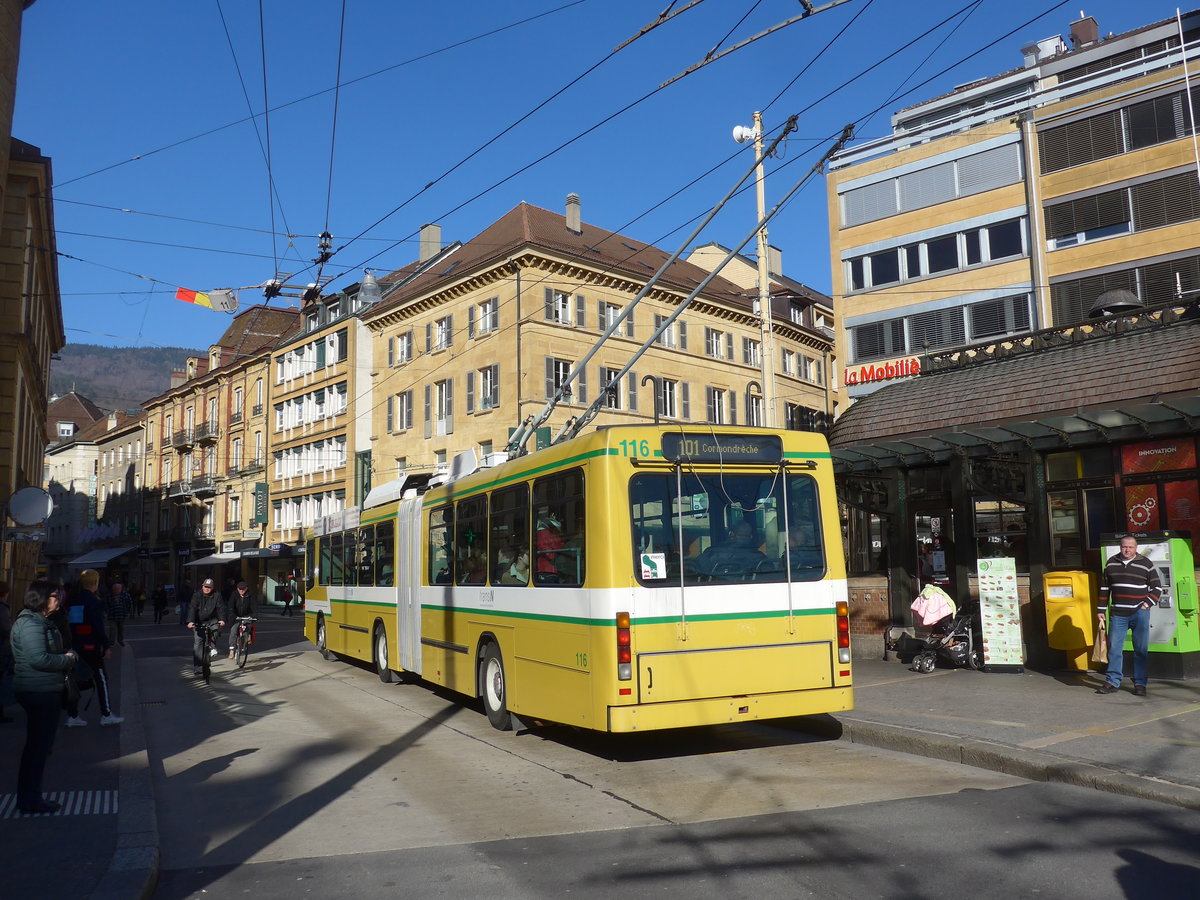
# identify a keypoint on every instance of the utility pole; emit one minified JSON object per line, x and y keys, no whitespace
{"x":767,"y":343}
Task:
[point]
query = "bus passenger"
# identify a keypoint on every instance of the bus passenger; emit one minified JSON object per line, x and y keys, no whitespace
{"x":518,"y":571}
{"x":549,"y":542}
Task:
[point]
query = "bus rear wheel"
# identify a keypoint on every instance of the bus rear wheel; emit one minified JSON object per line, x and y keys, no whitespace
{"x":386,"y":675}
{"x":493,"y":689}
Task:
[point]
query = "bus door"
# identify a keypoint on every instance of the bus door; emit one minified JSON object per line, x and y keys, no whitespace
{"x":408,"y":582}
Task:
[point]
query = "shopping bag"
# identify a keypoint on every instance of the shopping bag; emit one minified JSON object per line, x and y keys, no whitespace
{"x":1100,"y":651}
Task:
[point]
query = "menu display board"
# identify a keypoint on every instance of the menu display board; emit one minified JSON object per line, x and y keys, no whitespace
{"x":1000,"y":613}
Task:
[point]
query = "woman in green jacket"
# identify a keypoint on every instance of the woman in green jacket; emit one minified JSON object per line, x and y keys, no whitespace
{"x":40,"y":664}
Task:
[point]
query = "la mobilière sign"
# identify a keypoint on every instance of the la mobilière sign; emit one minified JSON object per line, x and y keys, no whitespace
{"x":900,"y":368}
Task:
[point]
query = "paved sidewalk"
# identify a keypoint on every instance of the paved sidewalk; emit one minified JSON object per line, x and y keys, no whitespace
{"x":103,"y":844}
{"x":1045,"y":726}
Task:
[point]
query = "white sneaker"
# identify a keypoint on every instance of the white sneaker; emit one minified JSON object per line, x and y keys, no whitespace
{"x":75,"y":722}
{"x":111,"y":719}
{"x":213,"y":652}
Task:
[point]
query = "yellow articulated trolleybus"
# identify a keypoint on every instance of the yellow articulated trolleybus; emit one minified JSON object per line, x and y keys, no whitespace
{"x":633,"y":578}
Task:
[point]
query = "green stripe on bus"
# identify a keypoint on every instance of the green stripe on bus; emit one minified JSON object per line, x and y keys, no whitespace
{"x":611,"y":623}
{"x":525,"y":473}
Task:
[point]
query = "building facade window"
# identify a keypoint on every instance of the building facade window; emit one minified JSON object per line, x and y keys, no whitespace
{"x":940,"y":328}
{"x":610,"y":384}
{"x":483,"y":388}
{"x":483,"y":318}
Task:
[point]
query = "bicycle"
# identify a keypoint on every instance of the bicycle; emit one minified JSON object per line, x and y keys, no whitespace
{"x":243,"y":637}
{"x":208,"y":647}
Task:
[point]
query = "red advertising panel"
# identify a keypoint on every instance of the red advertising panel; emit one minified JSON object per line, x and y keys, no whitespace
{"x":1183,"y":506}
{"x":1158,"y":456}
{"x":1141,"y":508}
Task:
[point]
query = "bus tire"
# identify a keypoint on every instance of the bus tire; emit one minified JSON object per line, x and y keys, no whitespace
{"x":493,"y":688}
{"x":379,"y":644}
{"x":323,"y":639}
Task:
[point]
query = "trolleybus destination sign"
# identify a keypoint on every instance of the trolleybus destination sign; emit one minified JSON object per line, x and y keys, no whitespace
{"x":728,"y":448}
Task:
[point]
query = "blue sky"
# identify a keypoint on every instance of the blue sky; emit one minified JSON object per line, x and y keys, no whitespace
{"x":426,"y":85}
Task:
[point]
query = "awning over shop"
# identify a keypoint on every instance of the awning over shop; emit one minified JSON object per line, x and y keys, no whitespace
{"x":101,"y":556}
{"x":214,"y":560}
{"x":1068,"y":387}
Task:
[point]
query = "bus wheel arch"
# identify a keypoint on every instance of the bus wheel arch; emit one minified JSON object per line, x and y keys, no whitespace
{"x":379,"y":653}
{"x":493,"y":684}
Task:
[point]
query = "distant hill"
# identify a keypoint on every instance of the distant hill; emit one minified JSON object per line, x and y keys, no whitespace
{"x":116,"y":377}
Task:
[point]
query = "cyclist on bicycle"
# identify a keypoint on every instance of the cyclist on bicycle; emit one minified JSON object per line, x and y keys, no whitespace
{"x":205,"y":608}
{"x":242,"y":605}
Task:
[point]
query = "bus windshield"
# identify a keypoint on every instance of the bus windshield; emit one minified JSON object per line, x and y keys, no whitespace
{"x":725,"y":528}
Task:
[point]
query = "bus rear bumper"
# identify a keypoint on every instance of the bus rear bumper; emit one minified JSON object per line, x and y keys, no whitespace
{"x":724,"y":710}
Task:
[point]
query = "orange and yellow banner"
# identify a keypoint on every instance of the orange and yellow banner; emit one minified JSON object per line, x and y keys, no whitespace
{"x":197,"y":297}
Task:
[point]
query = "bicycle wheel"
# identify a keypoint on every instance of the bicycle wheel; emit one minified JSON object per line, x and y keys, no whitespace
{"x":240,"y":650}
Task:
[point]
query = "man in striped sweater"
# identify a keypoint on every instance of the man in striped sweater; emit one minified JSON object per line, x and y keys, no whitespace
{"x":1129,"y":589}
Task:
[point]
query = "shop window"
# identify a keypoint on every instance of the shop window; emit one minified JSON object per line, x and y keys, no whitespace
{"x":1066,"y":546}
{"x":866,"y":542}
{"x":1000,"y":531}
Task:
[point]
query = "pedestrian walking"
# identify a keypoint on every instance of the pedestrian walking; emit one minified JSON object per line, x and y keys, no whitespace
{"x":40,"y":667}
{"x":138,"y":593}
{"x":91,"y":643}
{"x":1129,"y":589}
{"x":159,"y":601}
{"x":287,"y":602}
{"x":7,"y":697}
{"x":119,"y":606}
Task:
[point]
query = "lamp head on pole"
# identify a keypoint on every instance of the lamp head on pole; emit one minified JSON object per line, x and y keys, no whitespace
{"x":743,"y":133}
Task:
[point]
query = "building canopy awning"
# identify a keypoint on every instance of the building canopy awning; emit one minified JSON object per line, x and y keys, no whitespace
{"x":214,"y":560}
{"x":1119,"y":380}
{"x":101,"y":556}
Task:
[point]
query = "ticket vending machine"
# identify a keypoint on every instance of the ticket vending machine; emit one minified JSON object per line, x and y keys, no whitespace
{"x":1174,"y":623}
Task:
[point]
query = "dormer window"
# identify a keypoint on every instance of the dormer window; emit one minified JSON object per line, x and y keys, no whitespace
{"x":66,"y":429}
{"x":214,"y":359}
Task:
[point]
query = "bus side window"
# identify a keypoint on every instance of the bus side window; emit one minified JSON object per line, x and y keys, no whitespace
{"x":559,"y":544}
{"x":349,"y":569}
{"x":336,"y":542}
{"x":364,"y":556}
{"x":509,"y":536}
{"x":310,"y":565}
{"x":470,"y":541}
{"x":385,"y":554}
{"x":326,"y":567}
{"x":441,"y":563}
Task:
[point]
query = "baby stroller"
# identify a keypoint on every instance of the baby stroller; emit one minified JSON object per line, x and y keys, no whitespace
{"x":952,"y":640}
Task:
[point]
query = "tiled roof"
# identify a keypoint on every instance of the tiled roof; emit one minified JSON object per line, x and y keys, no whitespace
{"x":254,"y":330}
{"x":527,"y":226}
{"x":1125,"y":368}
{"x":70,"y":407}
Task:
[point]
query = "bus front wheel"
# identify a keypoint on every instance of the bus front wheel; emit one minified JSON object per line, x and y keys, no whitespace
{"x":494,"y":689}
{"x":386,"y":675}
{"x":322,"y":639}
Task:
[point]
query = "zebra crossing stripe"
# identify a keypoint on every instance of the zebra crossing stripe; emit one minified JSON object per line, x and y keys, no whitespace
{"x":74,"y":803}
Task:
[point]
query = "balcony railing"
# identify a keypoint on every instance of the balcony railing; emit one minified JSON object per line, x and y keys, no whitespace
{"x":207,"y":431}
{"x":192,"y":533}
{"x":252,"y":466}
{"x":184,"y":437}
{"x":179,"y":489}
{"x":235,"y":418}
{"x":203,"y":485}
{"x":257,"y":411}
{"x":234,"y":525}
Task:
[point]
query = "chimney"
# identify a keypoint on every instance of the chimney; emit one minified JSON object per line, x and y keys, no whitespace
{"x":112,"y":421}
{"x":774,"y":260}
{"x":431,"y":242}
{"x":573,"y":222}
{"x":1084,"y":31}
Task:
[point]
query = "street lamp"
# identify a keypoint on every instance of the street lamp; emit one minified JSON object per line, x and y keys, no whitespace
{"x":741,"y":134}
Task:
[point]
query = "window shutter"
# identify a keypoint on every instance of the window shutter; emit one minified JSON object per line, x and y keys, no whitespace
{"x":746,"y":350}
{"x":549,"y":312}
{"x":391,"y":352}
{"x":709,"y":406}
{"x":581,"y":386}
{"x":470,"y":393}
{"x":390,"y":412}
{"x":495,"y":395}
{"x":601,"y":321}
{"x":733,"y":407}
{"x":428,"y":337}
{"x":682,"y":334}
{"x":550,"y":377}
{"x":927,"y":187}
{"x":470,"y":323}
{"x":687,"y":406}
{"x":629,"y":325}
{"x":988,"y":170}
{"x":868,"y":203}
{"x":580,"y":311}
{"x":449,"y":406}
{"x":631,"y":378}
{"x":428,"y":412}
{"x":449,"y":330}
{"x":728,"y":346}
{"x":494,"y":315}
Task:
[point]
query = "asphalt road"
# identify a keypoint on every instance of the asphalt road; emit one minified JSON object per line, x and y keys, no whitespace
{"x":298,"y":776}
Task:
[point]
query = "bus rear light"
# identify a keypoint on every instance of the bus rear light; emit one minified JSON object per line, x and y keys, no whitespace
{"x":843,"y":631}
{"x":624,"y":692}
{"x":844,"y":673}
{"x":624,"y":648}
{"x":844,"y":656}
{"x":625,"y":673}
